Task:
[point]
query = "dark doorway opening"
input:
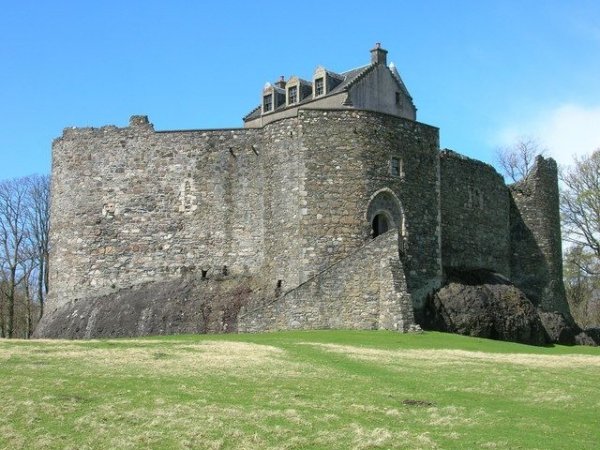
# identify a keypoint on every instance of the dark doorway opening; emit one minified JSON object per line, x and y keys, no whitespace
{"x":380,"y":225}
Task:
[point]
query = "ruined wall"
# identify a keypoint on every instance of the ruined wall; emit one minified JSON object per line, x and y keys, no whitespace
{"x":536,"y":263}
{"x":475,"y":215}
{"x":366,"y":290}
{"x":131,"y":205}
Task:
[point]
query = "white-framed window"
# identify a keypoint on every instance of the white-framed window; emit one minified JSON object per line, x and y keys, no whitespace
{"x":319,"y":86}
{"x":267,"y":103}
{"x":292,"y":95}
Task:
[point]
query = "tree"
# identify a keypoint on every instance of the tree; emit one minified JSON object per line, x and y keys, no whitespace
{"x":580,"y":213}
{"x":38,"y":210}
{"x":580,"y":206}
{"x":24,"y":226}
{"x":581,"y":286}
{"x":13,"y":235}
{"x":517,"y":160}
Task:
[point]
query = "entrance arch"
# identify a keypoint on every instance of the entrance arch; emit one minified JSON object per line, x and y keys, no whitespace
{"x":380,"y":224}
{"x":385,"y":213}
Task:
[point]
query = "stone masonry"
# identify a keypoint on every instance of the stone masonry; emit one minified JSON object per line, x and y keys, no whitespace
{"x":332,"y":208}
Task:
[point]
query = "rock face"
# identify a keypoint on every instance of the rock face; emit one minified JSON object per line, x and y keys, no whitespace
{"x":186,"y":305}
{"x":484,"y":304}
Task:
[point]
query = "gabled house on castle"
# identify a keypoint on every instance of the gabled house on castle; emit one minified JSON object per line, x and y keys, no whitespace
{"x":332,"y":208}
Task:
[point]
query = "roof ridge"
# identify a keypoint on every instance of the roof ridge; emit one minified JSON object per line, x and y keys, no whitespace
{"x":359,"y":76}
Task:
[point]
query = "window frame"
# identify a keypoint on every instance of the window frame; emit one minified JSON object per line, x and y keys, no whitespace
{"x":319,"y":86}
{"x":268,"y":102}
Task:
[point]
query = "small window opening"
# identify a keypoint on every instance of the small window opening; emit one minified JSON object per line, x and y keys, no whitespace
{"x":292,"y":95}
{"x":380,"y":225}
{"x":396,"y":167}
{"x":398,"y":99}
{"x":319,"y":87}
{"x":204,"y":272}
{"x":225,"y":271}
{"x":268,"y":102}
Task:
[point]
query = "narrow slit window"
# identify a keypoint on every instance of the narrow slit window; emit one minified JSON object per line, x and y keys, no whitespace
{"x":396,"y":167}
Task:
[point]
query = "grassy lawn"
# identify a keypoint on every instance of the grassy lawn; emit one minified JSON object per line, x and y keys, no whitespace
{"x":320,"y":390}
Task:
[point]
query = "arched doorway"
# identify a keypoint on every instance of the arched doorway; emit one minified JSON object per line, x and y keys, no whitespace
{"x":384,"y":213}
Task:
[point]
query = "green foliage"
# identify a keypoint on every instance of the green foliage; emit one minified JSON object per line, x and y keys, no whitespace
{"x":322,"y":389}
{"x":580,"y":211}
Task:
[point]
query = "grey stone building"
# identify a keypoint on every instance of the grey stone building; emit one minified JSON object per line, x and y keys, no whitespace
{"x":332,"y":208}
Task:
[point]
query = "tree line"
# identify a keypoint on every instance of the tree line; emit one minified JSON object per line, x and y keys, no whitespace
{"x":24,"y":249}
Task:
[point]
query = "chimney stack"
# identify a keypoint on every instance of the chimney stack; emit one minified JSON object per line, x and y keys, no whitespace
{"x":281,"y":83}
{"x":378,"y":55}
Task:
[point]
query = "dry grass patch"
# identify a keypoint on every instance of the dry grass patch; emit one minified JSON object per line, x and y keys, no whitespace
{"x":147,"y":355}
{"x":462,"y":357}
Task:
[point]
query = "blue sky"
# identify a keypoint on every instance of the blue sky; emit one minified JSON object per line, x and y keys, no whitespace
{"x":484,"y":72}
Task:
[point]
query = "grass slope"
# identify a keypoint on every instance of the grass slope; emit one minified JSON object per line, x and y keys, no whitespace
{"x":321,"y":390}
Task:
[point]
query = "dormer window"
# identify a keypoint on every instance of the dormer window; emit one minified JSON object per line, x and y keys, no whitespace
{"x":319,"y":87}
{"x":267,"y":103}
{"x":292,"y":95}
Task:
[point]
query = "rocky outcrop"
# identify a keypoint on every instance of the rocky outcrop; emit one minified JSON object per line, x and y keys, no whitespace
{"x":186,"y":305}
{"x":485,"y":304}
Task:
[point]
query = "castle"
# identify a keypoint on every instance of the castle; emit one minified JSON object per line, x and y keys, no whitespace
{"x":332,"y":208}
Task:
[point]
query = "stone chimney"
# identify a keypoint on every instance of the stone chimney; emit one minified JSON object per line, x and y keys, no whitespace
{"x":140,"y":122}
{"x":378,"y":55}
{"x":281,"y":83}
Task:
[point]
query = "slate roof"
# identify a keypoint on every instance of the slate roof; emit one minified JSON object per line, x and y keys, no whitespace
{"x":350,"y":77}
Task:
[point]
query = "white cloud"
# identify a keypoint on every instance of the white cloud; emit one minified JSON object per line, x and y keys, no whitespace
{"x":565,"y":131}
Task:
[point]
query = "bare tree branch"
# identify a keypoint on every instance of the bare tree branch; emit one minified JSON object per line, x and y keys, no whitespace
{"x":516,"y":161}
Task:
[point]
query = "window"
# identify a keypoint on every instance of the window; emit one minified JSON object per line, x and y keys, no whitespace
{"x":268,"y":103}
{"x":292,"y":95}
{"x":319,"y":87}
{"x":474,"y":198}
{"x":398,"y":99}
{"x":396,"y":167}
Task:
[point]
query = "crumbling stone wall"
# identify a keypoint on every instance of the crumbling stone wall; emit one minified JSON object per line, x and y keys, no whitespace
{"x":475,"y":215}
{"x":536,"y":253}
{"x":366,"y":290}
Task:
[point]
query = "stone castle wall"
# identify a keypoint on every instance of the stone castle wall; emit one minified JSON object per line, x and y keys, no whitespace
{"x":475,"y":215}
{"x":290,"y":207}
{"x":366,"y":290}
{"x":130,"y":206}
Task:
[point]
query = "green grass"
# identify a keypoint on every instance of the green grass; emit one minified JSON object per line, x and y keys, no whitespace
{"x":320,"y":390}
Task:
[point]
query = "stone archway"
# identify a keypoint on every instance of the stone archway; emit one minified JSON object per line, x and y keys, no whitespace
{"x":385,"y":213}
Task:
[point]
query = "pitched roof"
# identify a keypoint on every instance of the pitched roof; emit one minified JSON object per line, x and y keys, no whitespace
{"x":349,"y":77}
